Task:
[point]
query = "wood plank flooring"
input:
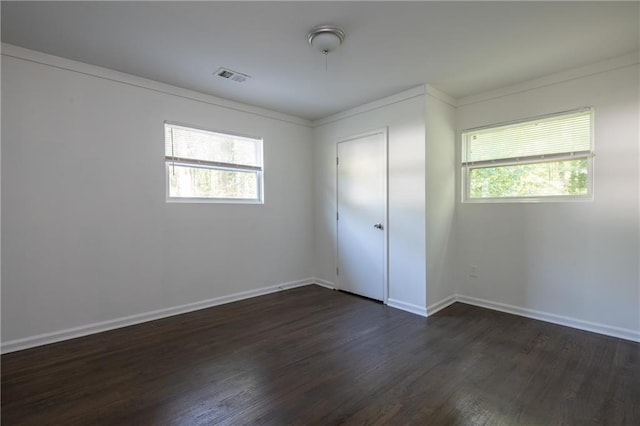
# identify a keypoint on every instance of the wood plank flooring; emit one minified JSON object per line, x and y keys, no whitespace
{"x":320,"y":357}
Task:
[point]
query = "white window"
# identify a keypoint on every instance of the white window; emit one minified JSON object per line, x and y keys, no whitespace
{"x":542,"y":159}
{"x":207,"y":166}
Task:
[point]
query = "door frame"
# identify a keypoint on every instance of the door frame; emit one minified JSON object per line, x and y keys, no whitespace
{"x":385,"y":222}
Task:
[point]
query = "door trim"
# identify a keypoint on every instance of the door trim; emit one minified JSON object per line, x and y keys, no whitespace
{"x":385,"y":263}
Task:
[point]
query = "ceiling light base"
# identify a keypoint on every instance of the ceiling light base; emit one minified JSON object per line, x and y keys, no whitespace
{"x":326,"y":38}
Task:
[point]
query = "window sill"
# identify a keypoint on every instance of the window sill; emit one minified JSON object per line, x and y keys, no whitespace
{"x":183,"y":200}
{"x":512,"y":200}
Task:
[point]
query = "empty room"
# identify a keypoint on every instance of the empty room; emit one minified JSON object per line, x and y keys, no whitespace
{"x":301,"y":212}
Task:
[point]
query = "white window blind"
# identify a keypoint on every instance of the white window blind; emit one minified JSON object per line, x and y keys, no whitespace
{"x":202,"y":147}
{"x":543,"y":138}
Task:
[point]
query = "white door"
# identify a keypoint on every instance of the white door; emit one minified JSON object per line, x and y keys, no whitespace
{"x":362,"y":215}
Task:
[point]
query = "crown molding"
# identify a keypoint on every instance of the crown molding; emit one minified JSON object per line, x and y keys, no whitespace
{"x":12,"y":51}
{"x":380,"y":103}
{"x":556,"y":78}
{"x":440,"y":95}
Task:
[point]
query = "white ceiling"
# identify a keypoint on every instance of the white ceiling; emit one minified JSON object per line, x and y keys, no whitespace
{"x":461,"y":48}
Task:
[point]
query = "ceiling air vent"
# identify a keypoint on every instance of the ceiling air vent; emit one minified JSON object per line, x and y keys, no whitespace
{"x":236,"y":76}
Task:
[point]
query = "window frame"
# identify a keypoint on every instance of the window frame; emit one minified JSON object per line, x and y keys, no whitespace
{"x":466,"y":167}
{"x":170,"y":161}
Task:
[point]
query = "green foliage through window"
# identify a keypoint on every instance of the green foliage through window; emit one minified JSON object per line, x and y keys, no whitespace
{"x":530,"y":180}
{"x":194,"y":182}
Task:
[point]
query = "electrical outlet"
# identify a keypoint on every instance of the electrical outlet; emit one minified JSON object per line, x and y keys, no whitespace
{"x":473,"y":271}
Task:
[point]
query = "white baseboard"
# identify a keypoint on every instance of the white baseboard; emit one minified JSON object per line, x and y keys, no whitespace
{"x":622,"y":333}
{"x":72,"y":333}
{"x":84,"y":330}
{"x":324,"y":283}
{"x":438,"y":306}
{"x":409,"y":307}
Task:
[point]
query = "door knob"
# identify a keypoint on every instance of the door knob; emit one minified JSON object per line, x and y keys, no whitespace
{"x":378,"y":226}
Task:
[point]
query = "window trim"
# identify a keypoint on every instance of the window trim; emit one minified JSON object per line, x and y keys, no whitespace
{"x":214,"y":165}
{"x":467,"y":166}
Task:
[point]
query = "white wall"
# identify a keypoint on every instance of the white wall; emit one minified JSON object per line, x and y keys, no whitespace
{"x":88,"y":237}
{"x":573,"y":260}
{"x":405,"y":119}
{"x":440,"y":194}
{"x":87,"y":234}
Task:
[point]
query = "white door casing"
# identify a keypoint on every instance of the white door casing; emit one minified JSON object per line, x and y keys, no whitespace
{"x":362,"y":215}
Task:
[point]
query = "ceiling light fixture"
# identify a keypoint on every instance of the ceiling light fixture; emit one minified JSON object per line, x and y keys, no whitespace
{"x":326,"y":38}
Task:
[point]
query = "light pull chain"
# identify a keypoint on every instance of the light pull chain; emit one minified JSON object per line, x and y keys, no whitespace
{"x":173,"y":157}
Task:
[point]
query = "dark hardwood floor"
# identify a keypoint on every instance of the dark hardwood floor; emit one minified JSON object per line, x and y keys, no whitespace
{"x":316,"y":356}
